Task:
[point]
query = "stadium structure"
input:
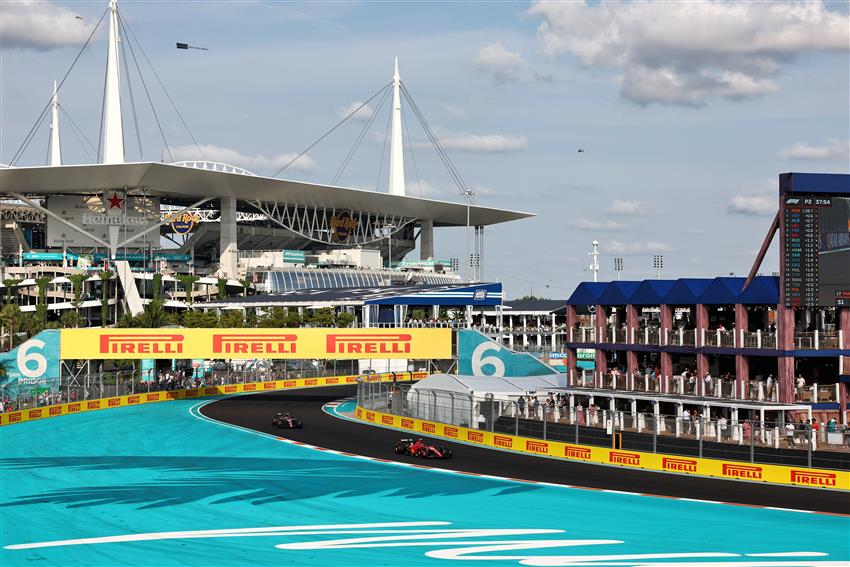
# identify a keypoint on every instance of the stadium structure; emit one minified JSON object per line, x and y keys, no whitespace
{"x":228,"y":229}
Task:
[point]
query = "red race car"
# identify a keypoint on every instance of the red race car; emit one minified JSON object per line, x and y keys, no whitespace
{"x":287,"y":421}
{"x":418,"y":448}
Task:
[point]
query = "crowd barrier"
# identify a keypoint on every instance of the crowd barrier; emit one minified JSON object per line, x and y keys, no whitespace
{"x":734,"y":470}
{"x":57,"y":410}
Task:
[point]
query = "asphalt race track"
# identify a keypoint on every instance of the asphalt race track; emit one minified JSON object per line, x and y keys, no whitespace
{"x":255,"y":412}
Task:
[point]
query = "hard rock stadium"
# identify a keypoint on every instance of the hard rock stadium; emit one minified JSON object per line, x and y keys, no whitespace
{"x":162,"y":321}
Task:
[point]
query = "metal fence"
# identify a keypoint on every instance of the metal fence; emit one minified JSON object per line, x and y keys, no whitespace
{"x":776,"y":441}
{"x":89,"y":386}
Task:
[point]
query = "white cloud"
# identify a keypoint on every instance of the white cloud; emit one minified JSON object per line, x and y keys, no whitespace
{"x":685,"y":53}
{"x":362,"y":115}
{"x":630,"y":208}
{"x":753,"y":205}
{"x":504,"y":65}
{"x":484,"y":142}
{"x":831,"y":149}
{"x":257,"y":164}
{"x":649,"y":247}
{"x":592,"y":225}
{"x":33,"y":24}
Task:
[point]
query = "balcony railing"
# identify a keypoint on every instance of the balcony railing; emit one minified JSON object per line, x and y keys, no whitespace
{"x":817,"y":393}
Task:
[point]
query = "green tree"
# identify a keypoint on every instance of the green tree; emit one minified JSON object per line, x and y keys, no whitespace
{"x":70,"y":320}
{"x":232,"y":319}
{"x":532,"y":298}
{"x":157,"y":286}
{"x":154,"y":316}
{"x":10,"y":284}
{"x":41,"y":304}
{"x":222,"y":288}
{"x":77,"y":282}
{"x":323,"y":317}
{"x":279,"y":317}
{"x":10,"y":316}
{"x":246,"y":285}
{"x":104,"y":276}
{"x":199,"y":319}
{"x":344,"y":319}
{"x":188,"y":283}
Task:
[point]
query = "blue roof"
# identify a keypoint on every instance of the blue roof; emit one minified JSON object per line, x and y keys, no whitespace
{"x":618,"y":293}
{"x":652,"y":292}
{"x":587,"y":293}
{"x":687,"y":291}
{"x":814,"y":183}
{"x":763,"y":290}
{"x":722,"y":291}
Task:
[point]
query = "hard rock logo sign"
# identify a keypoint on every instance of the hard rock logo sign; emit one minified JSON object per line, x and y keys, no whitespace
{"x":342,"y":225}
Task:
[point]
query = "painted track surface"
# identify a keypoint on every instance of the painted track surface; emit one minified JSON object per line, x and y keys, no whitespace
{"x":164,"y":467}
{"x":322,"y":430}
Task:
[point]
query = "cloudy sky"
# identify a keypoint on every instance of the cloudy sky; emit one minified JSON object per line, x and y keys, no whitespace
{"x":686,"y":112}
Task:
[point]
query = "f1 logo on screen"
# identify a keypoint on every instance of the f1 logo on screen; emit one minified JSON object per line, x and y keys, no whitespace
{"x":478,"y":355}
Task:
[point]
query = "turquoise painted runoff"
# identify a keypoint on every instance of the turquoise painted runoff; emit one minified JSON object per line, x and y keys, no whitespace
{"x":129,"y":474}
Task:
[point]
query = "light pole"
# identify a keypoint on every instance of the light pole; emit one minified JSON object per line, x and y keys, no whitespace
{"x":387,"y":231}
{"x":594,"y":264}
{"x":658,"y":264}
{"x":468,"y":195}
{"x":618,"y":267}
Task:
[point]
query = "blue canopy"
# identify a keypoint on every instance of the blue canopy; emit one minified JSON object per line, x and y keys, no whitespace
{"x":652,"y":292}
{"x":763,"y":290}
{"x":722,"y":291}
{"x":587,"y":293}
{"x":687,"y":291}
{"x":618,"y":293}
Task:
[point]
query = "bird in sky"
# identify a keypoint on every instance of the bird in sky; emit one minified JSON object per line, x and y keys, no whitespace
{"x":581,"y":150}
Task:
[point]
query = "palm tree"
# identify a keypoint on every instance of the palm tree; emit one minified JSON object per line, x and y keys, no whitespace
{"x":9,"y":315}
{"x":10,"y":283}
{"x":154,"y":316}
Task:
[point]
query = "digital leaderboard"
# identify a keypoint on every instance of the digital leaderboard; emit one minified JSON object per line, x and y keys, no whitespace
{"x":816,"y":248}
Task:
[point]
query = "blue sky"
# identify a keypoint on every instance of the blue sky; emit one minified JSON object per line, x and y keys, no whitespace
{"x":686,"y":111}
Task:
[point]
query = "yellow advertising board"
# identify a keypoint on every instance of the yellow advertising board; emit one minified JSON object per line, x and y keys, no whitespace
{"x":734,"y":470}
{"x":31,"y":414}
{"x":295,"y":343}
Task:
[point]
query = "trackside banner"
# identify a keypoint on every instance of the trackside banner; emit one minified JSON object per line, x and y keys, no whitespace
{"x":771,"y":474}
{"x":255,"y":343}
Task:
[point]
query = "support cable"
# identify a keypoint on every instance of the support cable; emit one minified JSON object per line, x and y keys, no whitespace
{"x":328,"y":133}
{"x":162,"y":85}
{"x":360,"y":138}
{"x":78,"y":132}
{"x":438,"y":147}
{"x":383,"y":151}
{"x":147,"y":93}
{"x":132,"y":101}
{"x":412,"y":154}
{"x":22,"y":148}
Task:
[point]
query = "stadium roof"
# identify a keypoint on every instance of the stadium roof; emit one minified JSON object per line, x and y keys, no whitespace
{"x":190,"y":184}
{"x":448,"y":295}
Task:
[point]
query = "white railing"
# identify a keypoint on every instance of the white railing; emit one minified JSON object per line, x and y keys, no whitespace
{"x":214,"y":166}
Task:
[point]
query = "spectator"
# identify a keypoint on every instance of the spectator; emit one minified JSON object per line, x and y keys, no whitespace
{"x":520,"y":403}
{"x":721,"y":427}
{"x":747,"y":429}
{"x":832,"y":426}
{"x":789,"y":434}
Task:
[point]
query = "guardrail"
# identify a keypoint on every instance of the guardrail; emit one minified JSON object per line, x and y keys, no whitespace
{"x":56,"y":410}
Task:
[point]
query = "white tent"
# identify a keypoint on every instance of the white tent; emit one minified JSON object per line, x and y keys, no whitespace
{"x":452,"y":398}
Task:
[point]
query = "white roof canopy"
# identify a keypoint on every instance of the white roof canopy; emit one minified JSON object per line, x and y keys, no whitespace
{"x":180,"y":182}
{"x":500,"y":387}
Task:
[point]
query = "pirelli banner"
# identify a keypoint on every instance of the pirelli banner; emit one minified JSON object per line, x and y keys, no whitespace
{"x":717,"y":468}
{"x":255,"y":343}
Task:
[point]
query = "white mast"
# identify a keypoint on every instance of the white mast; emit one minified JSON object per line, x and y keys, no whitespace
{"x":55,"y":148}
{"x":113,"y":130}
{"x":396,"y":151}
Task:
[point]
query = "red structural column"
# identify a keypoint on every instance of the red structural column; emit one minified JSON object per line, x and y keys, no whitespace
{"x":702,"y":359}
{"x":785,"y":341}
{"x":666,"y":359}
{"x":571,"y":353}
{"x":631,"y":330}
{"x":742,"y":361}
